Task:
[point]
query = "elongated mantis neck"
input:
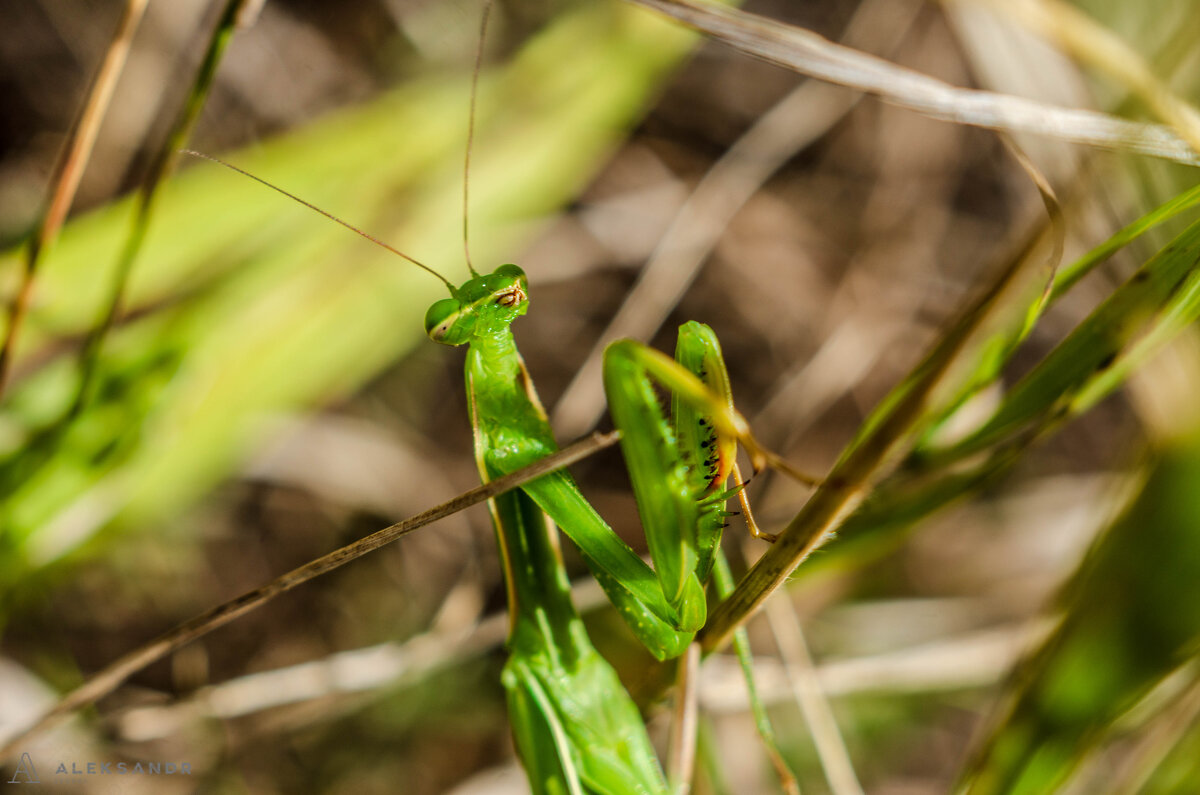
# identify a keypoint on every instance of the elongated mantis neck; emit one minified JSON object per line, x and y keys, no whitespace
{"x":510,"y":422}
{"x":496,"y":349}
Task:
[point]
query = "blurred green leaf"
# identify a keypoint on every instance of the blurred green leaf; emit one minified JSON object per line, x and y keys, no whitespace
{"x":1131,"y":616}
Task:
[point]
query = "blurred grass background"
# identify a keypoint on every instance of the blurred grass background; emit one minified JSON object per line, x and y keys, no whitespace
{"x":271,"y":396}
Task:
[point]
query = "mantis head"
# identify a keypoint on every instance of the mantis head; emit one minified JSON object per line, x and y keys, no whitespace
{"x":483,"y":305}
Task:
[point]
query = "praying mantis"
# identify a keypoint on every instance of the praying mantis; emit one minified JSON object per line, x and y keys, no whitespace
{"x":575,"y":727}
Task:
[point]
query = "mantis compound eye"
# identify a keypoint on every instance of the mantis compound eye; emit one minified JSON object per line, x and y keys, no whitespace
{"x":510,"y":297}
{"x":442,"y":322}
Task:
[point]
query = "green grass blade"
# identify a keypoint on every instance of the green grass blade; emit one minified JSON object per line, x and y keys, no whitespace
{"x":1153,"y":305}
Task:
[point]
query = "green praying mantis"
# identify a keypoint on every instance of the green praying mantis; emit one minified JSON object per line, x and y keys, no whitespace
{"x":576,"y":728}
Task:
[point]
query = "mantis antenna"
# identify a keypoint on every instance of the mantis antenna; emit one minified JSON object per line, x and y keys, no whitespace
{"x":483,"y":26}
{"x":325,"y":213}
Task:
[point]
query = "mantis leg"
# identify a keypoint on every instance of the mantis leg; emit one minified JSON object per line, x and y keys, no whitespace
{"x":676,"y":492}
{"x":696,"y":453}
{"x":629,"y":583}
{"x":678,"y":469}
